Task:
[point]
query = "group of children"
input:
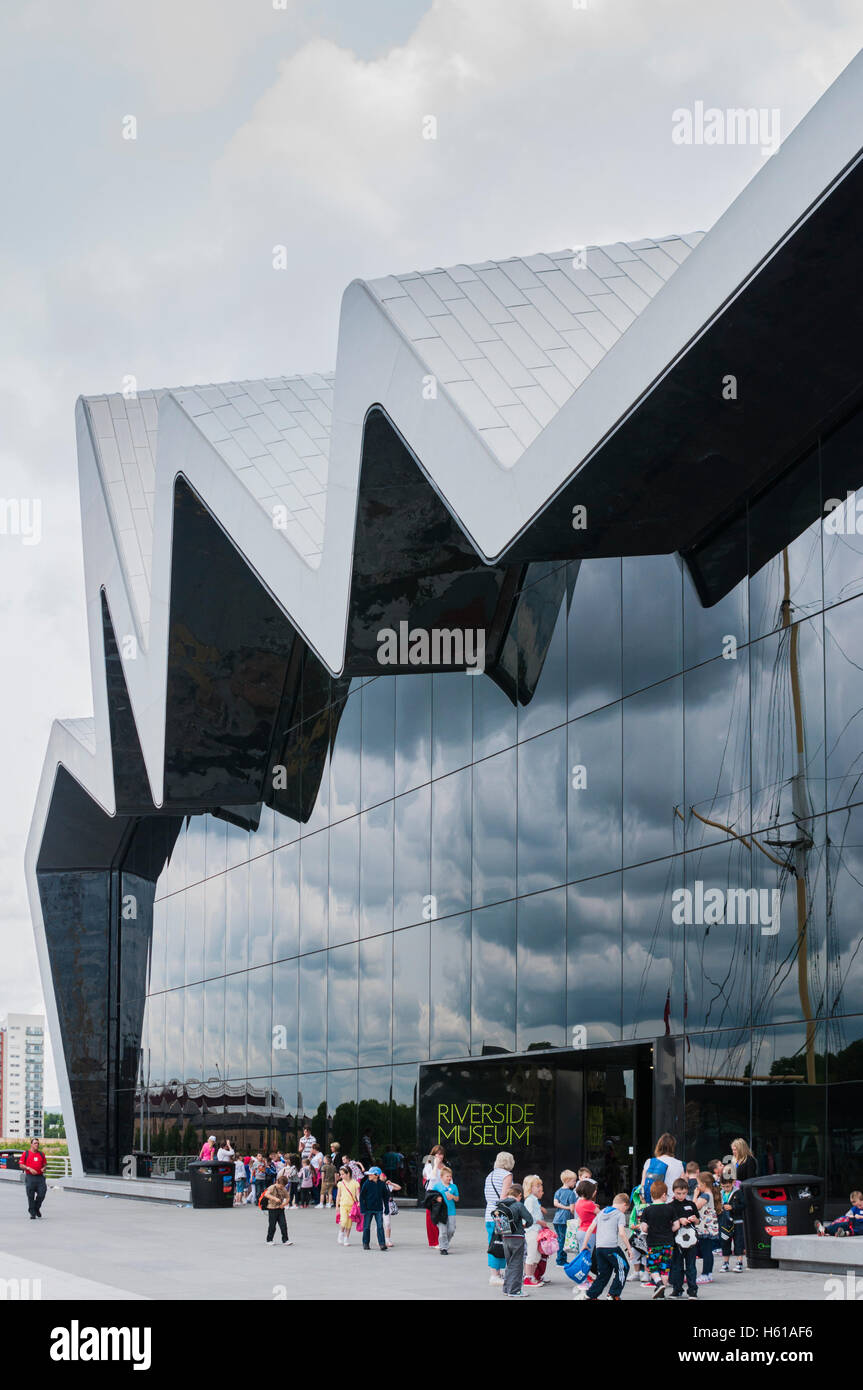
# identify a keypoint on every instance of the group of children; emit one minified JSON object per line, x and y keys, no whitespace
{"x":657,"y":1231}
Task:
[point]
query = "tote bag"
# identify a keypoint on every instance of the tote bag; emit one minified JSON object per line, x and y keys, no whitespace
{"x":570,"y":1240}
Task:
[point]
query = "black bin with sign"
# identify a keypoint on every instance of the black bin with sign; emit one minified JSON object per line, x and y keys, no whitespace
{"x":10,"y":1160}
{"x":142,"y":1164}
{"x":781,"y":1204}
{"x":212,"y":1184}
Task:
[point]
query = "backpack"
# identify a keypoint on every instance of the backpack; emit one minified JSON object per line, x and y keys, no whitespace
{"x":504,"y":1222}
{"x":656,"y":1168}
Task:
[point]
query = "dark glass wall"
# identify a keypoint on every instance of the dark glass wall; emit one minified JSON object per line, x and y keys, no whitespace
{"x":487,"y":872}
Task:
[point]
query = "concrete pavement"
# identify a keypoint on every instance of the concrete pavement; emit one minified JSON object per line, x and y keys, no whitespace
{"x":93,"y":1248}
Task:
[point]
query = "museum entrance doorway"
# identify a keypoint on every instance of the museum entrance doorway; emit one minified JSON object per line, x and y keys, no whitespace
{"x":551,"y":1110}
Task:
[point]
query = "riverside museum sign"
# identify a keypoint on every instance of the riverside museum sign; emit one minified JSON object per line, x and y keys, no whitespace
{"x":494,"y":1126}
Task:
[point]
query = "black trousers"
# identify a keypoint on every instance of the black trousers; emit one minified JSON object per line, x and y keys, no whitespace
{"x":36,"y":1190}
{"x":276,"y":1218}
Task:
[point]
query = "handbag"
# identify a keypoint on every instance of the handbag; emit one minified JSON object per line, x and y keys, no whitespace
{"x":394,"y":1206}
{"x":570,"y":1240}
{"x":495,"y":1247}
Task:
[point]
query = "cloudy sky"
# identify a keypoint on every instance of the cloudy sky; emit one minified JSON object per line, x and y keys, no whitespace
{"x":262,"y":123}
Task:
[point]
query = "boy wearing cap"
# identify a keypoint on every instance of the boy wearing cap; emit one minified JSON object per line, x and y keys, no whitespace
{"x":374,"y":1200}
{"x":445,"y":1185}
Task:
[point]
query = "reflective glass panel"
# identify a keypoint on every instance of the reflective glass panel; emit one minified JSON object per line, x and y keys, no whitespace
{"x":717,"y":1074}
{"x":719,"y":951}
{"x":259,"y":1005}
{"x":378,"y":740}
{"x":716,"y":739}
{"x":237,"y":918}
{"x":495,"y":720}
{"x":154,"y":1061}
{"x":451,"y":843}
{"x":376,"y":870}
{"x":787,"y":700}
{"x":789,"y":1117}
{"x":844,"y":1098}
{"x":494,"y":828}
{"x":452,"y":721}
{"x":342,"y":1000}
{"x":412,"y":866}
{"x":594,"y":794}
{"x":594,"y":635}
{"x":193,"y":1035}
{"x":214,"y":925}
{"x":285,"y":1024}
{"x":314,"y":890}
{"x":492,"y":978}
{"x":413,"y":731}
{"x":345,"y":758}
{"x":845,"y":976}
{"x":789,"y":945}
{"x":174,"y":1002}
{"x":785,"y":550}
{"x":342,"y":1111}
{"x":844,"y":675}
{"x":652,"y":619}
{"x":159,"y":946}
{"x":214,"y":1032}
{"x":261,"y":910}
{"x":541,"y":976}
{"x":542,"y":812}
{"x":653,"y":772}
{"x":375,"y":999}
{"x":411,"y":994}
{"x":374,"y":1119}
{"x":593,"y":961}
{"x":194,"y":969}
{"x":236,"y":996}
{"x":313,"y":1010}
{"x":175,"y":961}
{"x":312,"y":1104}
{"x":541,"y":628}
{"x":286,"y":901}
{"x":344,"y":881}
{"x":652,"y":951}
{"x":450,"y":987}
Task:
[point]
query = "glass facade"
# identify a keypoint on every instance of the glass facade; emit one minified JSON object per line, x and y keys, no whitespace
{"x":659,"y":835}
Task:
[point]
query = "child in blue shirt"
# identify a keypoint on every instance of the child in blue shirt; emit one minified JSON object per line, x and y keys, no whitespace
{"x":851,"y":1224}
{"x":447,"y":1187}
{"x":564,"y":1210}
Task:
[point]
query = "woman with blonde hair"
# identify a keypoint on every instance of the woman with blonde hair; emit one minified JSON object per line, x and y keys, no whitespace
{"x":348,"y":1195}
{"x":497,"y":1185}
{"x":534,"y":1260}
{"x":744,"y":1160}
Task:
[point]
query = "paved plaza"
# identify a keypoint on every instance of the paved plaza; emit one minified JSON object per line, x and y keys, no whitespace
{"x":100,"y":1248}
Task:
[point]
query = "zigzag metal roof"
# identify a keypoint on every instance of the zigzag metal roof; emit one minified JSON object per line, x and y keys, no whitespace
{"x":537,"y":365}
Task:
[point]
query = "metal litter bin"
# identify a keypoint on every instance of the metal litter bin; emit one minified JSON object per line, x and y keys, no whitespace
{"x":10,"y":1160}
{"x":782,"y":1204}
{"x":212,"y":1184}
{"x":143,"y":1164}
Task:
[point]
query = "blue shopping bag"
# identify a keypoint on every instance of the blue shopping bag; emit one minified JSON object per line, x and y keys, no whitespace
{"x":578,"y":1269}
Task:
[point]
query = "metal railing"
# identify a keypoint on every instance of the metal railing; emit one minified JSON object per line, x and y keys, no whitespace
{"x":166,"y":1164}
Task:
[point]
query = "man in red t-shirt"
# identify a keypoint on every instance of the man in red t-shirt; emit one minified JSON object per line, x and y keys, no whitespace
{"x":33,"y":1164}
